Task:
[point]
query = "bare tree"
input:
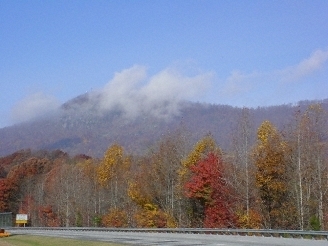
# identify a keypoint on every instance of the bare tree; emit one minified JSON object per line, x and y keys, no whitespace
{"x":242,"y":169}
{"x":309,"y":169}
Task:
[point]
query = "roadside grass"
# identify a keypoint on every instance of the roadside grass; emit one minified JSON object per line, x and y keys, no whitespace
{"x":30,"y":240}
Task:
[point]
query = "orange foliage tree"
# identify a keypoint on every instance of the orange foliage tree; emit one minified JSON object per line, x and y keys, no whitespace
{"x":115,"y":218}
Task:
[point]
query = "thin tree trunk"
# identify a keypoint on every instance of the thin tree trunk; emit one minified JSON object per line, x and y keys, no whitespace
{"x":300,"y":186}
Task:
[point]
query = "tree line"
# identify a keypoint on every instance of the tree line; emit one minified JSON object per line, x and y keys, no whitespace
{"x":269,"y":178}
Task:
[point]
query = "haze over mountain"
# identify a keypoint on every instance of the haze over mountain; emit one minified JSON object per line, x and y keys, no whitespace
{"x":134,"y":116}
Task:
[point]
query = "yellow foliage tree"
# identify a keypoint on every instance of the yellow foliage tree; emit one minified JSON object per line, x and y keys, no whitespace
{"x":136,"y":195}
{"x":113,"y":175}
{"x":113,"y":162}
{"x":252,"y":220}
{"x":152,"y":217}
{"x":271,"y":175}
{"x":148,"y":214}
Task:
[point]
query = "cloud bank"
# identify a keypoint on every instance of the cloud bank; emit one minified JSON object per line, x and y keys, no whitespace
{"x":133,"y":92}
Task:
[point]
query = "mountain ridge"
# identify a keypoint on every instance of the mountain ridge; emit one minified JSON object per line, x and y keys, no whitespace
{"x":80,"y":128}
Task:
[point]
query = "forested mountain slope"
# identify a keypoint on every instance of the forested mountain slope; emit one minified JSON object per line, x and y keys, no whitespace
{"x":79,"y":128}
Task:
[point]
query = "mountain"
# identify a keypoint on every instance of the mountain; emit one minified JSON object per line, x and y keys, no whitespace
{"x":80,"y":127}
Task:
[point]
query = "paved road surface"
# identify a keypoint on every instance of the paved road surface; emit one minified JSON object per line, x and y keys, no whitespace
{"x":174,"y":239}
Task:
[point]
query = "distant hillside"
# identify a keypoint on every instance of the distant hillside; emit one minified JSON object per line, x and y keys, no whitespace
{"x":79,"y":128}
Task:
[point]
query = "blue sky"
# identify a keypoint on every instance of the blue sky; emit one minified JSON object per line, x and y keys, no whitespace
{"x":240,"y":53}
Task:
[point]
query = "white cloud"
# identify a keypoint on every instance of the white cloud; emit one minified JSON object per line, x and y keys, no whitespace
{"x":122,"y":91}
{"x":305,"y":67}
{"x":266,"y":88}
{"x":134,"y":92}
{"x":34,"y":106}
{"x":166,"y":89}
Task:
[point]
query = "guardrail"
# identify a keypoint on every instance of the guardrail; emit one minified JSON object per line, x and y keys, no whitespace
{"x":243,"y":232}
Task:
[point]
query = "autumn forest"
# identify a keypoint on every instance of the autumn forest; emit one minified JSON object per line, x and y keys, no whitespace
{"x":268,"y":178}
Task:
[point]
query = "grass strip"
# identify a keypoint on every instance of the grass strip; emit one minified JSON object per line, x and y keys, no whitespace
{"x":31,"y":240}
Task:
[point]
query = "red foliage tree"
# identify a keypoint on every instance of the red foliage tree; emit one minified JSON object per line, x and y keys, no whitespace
{"x":6,"y":191}
{"x":48,"y":217}
{"x":208,"y":186}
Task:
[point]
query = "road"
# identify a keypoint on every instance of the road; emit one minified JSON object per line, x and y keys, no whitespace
{"x":173,"y":239}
